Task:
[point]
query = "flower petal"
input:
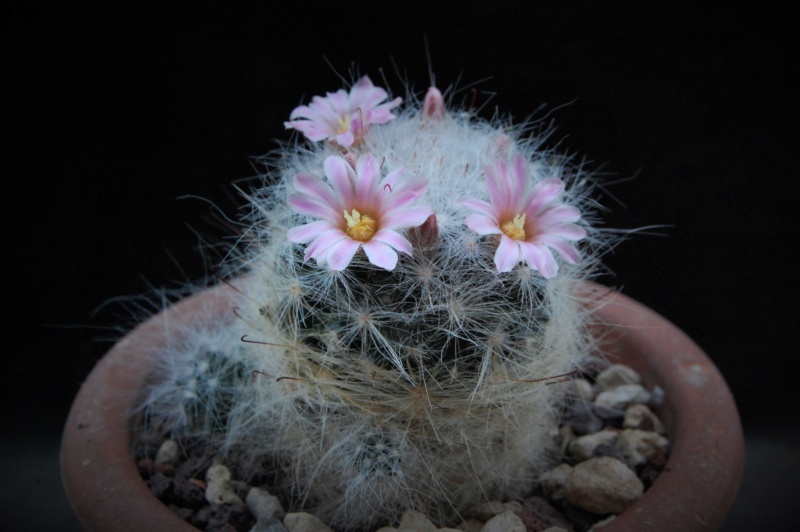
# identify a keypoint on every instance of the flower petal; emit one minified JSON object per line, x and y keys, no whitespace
{"x":345,"y":139}
{"x":518,"y":178}
{"x":320,"y":245}
{"x":341,"y":176}
{"x":482,"y":207}
{"x":305,"y":205}
{"x":543,"y":193}
{"x":539,"y":258}
{"x":381,"y":254}
{"x":562,"y":232}
{"x":311,"y":185}
{"x":507,"y":255}
{"x":566,"y":250}
{"x":410,"y":216}
{"x":341,"y":253}
{"x":403,"y":194}
{"x":305,"y":233}
{"x":558,"y":215}
{"x":367,"y":171}
{"x":482,"y":224}
{"x":394,"y":239}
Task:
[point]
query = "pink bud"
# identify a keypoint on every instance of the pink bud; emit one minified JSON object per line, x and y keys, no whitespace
{"x":426,"y":234}
{"x":351,"y":157}
{"x":433,"y":106}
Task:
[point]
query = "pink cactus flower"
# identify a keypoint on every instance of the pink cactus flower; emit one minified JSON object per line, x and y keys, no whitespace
{"x":531,"y":221}
{"x":356,"y":211}
{"x":343,"y":117}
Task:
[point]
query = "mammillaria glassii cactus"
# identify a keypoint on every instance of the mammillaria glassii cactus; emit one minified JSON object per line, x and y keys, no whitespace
{"x":406,"y":307}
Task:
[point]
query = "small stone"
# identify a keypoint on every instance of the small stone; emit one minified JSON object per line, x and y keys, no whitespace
{"x":234,"y":515}
{"x":262,"y":504}
{"x":218,"y":473}
{"x":581,"y":389}
{"x":504,"y":522}
{"x":269,"y":524}
{"x":564,"y":437}
{"x":612,"y":416}
{"x":470,"y":524}
{"x":603,"y":485}
{"x":413,"y":521}
{"x":241,"y":488}
{"x":636,"y":445}
{"x":582,"y":448}
{"x":651,"y":470}
{"x":617,"y":375}
{"x":187,"y":493}
{"x":168,"y":453}
{"x":553,"y":481}
{"x":538,"y":514}
{"x":622,"y":396}
{"x":657,"y":397}
{"x":601,"y":523}
{"x":304,"y":522}
{"x":219,"y":489}
{"x":488,"y":509}
{"x":639,"y":416}
{"x":607,"y":449}
{"x":582,"y":419}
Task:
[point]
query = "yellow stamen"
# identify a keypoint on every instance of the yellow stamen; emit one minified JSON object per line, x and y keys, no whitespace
{"x":515,"y":228}
{"x":344,"y":124}
{"x":360,"y":227}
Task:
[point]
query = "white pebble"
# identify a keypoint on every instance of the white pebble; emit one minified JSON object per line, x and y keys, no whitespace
{"x":304,"y":522}
{"x":582,"y":448}
{"x":488,"y":509}
{"x":617,"y":375}
{"x":413,"y":521}
{"x":168,"y":453}
{"x":553,"y":481}
{"x":218,"y":488}
{"x":262,"y":504}
{"x":581,"y":389}
{"x":470,"y":524}
{"x":637,"y":445}
{"x":603,"y":485}
{"x":622,"y":396}
{"x":638,"y":415}
{"x":507,"y":521}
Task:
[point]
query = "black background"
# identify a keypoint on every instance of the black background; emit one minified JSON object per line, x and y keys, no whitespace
{"x":110,"y":116}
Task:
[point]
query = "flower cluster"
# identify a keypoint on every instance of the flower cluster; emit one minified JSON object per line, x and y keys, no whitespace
{"x":357,"y":210}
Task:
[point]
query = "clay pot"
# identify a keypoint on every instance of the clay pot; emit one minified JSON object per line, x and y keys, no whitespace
{"x":694,"y":492}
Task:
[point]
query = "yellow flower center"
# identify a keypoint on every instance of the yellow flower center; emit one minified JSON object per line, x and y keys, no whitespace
{"x":344,"y":124}
{"x":515,"y":228}
{"x":360,"y":227}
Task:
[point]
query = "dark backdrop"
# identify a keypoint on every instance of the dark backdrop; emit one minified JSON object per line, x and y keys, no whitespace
{"x":110,"y":116}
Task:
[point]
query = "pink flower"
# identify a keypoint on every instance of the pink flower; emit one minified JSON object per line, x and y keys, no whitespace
{"x":531,"y":222}
{"x":342,"y":117}
{"x":356,"y":211}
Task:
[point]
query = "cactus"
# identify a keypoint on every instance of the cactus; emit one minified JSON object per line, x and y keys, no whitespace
{"x":406,"y":307}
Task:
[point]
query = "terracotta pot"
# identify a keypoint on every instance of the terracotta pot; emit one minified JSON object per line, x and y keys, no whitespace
{"x":695,"y":491}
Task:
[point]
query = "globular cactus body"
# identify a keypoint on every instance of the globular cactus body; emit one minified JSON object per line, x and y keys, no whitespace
{"x":405,"y":353}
